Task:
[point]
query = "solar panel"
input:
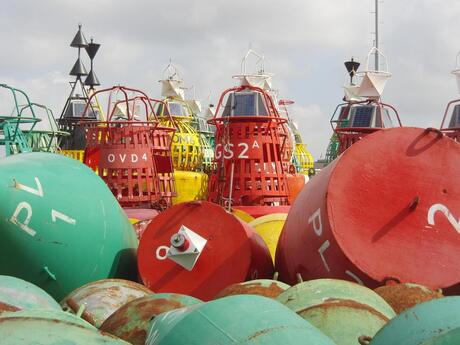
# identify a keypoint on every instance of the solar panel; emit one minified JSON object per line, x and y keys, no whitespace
{"x":455,"y":119}
{"x":362,"y":116}
{"x":175,"y":109}
{"x":244,"y":105}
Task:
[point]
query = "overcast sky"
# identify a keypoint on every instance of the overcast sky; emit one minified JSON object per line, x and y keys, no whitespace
{"x":305,"y":43}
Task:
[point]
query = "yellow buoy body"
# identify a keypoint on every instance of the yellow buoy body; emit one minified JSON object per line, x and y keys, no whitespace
{"x":75,"y":154}
{"x":186,"y":150}
{"x":190,"y":186}
{"x":244,"y":216}
{"x":303,"y":159}
{"x":269,"y":227}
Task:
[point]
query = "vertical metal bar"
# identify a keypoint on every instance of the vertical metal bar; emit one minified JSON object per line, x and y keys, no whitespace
{"x":377,"y":34}
{"x":230,"y":192}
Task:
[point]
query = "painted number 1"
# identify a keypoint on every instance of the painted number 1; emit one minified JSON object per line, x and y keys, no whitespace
{"x":23,"y":205}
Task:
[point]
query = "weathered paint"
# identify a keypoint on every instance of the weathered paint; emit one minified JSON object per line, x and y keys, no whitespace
{"x":340,"y":309}
{"x":132,"y":320}
{"x":242,"y":319}
{"x":43,"y":331}
{"x":50,"y":315}
{"x":60,"y":226}
{"x":233,"y":251}
{"x":269,"y":227}
{"x":262,"y":287}
{"x":404,"y":296}
{"x":190,"y":186}
{"x":374,"y":201}
{"x":101,"y":298}
{"x":17,"y":294}
{"x":421,"y":323}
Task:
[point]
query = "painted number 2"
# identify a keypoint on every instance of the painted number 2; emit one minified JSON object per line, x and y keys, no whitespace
{"x":446,"y":212}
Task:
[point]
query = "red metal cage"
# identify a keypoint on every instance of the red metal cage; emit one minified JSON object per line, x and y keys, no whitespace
{"x":129,"y":151}
{"x":347,"y":133}
{"x":250,"y":155}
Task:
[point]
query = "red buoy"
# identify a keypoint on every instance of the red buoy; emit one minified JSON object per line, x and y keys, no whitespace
{"x":197,"y":248}
{"x":387,"y":209}
{"x":250,"y":153}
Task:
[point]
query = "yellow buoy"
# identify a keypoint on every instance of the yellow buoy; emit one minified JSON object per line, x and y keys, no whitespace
{"x":303,"y":160}
{"x":269,"y":227}
{"x":75,"y":154}
{"x":244,"y":216}
{"x":190,"y":186}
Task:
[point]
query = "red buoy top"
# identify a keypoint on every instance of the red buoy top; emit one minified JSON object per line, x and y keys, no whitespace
{"x":388,"y":208}
{"x":197,"y":248}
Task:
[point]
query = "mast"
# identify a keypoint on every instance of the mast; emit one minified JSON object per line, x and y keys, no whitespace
{"x":376,"y":42}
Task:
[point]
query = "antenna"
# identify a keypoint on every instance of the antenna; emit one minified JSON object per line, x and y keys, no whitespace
{"x":376,"y":42}
{"x":260,"y":61}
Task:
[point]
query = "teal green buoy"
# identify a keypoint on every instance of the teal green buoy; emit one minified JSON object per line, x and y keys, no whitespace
{"x":57,"y":315}
{"x":17,"y":294}
{"x":239,"y":319}
{"x":426,"y":323}
{"x":449,"y":338}
{"x":60,"y":226}
{"x":45,"y":331}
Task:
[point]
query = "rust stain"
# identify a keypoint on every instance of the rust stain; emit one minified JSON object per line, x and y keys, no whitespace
{"x":155,"y":307}
{"x":114,"y":322}
{"x":8,"y":307}
{"x":334,"y":303}
{"x":271,"y":291}
{"x":85,"y":315}
{"x":134,"y":336}
{"x":267,"y":330}
{"x":131,"y":321}
{"x":405,"y":296}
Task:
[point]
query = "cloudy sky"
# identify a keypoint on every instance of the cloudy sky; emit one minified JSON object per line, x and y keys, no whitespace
{"x":305,"y":43}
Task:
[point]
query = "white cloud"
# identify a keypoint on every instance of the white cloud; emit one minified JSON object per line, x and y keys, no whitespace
{"x":305,"y":43}
{"x":314,"y":127}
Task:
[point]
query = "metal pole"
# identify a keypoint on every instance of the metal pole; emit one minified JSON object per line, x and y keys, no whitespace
{"x":376,"y":34}
{"x":230,"y":194}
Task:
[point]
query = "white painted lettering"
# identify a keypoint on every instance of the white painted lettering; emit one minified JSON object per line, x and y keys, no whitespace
{"x":315,"y":218}
{"x":321,"y":251}
{"x":38,"y":191}
{"x":243,"y":154}
{"x":25,"y":224}
{"x":65,"y":218}
{"x":445,"y":211}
